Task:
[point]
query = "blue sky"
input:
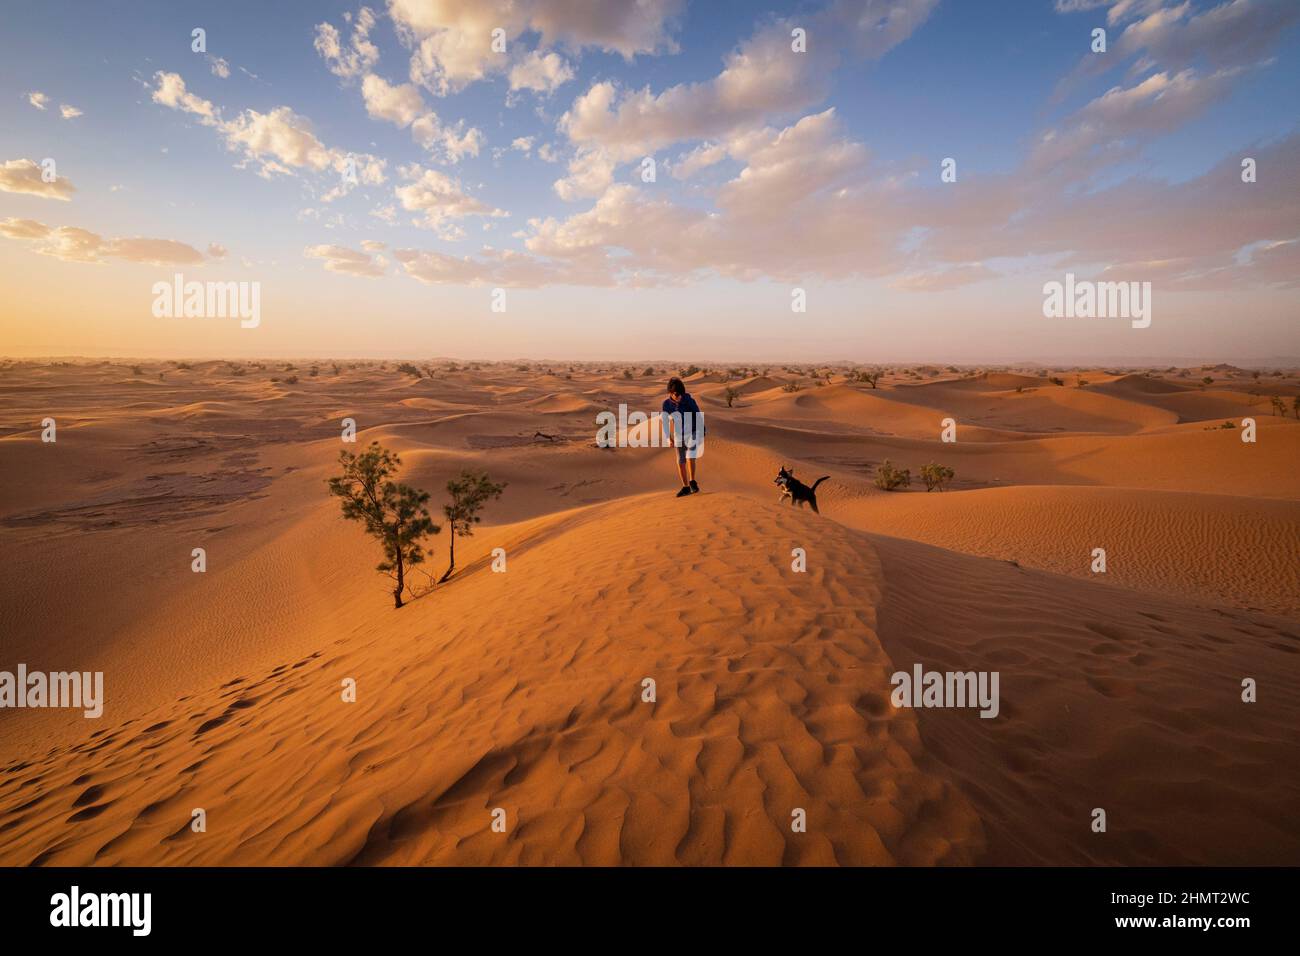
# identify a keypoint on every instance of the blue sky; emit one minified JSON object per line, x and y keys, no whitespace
{"x":187,"y":149}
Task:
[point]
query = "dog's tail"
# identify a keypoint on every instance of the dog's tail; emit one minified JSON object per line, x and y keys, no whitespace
{"x":819,"y":481}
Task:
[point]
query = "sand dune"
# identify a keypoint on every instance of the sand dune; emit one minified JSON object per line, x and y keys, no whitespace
{"x":523,"y":690}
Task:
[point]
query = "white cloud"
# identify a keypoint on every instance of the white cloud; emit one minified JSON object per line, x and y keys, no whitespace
{"x":400,"y":105}
{"x":439,"y":200}
{"x":702,"y":157}
{"x":38,"y":99}
{"x":220,"y":67}
{"x":590,"y":173}
{"x":69,"y":112}
{"x":358,"y":56}
{"x":74,"y":244}
{"x":277,"y":143}
{"x":451,"y":40}
{"x":348,"y":261}
{"x":762,"y":78}
{"x":522,"y":144}
{"x":541,"y":73}
{"x":24,"y":176}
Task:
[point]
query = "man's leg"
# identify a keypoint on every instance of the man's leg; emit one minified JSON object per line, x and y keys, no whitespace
{"x":681,"y":471}
{"x":690,"y":469}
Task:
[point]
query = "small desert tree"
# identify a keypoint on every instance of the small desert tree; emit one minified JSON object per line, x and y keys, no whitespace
{"x":1279,"y":406}
{"x":936,"y":476}
{"x":392,"y":513}
{"x":469,"y":493}
{"x":888,"y":477}
{"x":871,"y":378}
{"x":1295,"y":406}
{"x":731,"y":394}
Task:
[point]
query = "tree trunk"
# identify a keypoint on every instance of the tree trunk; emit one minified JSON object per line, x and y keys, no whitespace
{"x":451,"y":567}
{"x":401,"y":581}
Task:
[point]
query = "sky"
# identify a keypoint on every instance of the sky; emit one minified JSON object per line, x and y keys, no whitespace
{"x":638,"y":179}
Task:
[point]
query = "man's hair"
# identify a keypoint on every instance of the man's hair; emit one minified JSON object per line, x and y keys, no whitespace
{"x":675,"y":386}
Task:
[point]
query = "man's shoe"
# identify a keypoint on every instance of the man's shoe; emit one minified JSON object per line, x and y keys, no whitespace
{"x":686,"y":490}
{"x":695,"y":486}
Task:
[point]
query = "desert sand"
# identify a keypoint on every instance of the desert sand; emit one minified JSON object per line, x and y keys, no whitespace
{"x":523,"y":690}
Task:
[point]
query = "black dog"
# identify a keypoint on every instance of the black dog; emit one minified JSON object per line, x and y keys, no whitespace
{"x":796,"y":490}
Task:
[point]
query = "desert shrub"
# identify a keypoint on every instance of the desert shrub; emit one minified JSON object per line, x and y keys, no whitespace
{"x":1083,"y":382}
{"x":687,"y":372}
{"x":315,"y":370}
{"x":648,"y":372}
{"x":1056,"y":381}
{"x":291,"y":380}
{"x":1279,"y":406}
{"x":410,"y":369}
{"x":936,"y":476}
{"x":791,"y":387}
{"x":889,"y":478}
{"x":731,"y":395}
{"x":627,"y":373}
{"x":1207,"y":380}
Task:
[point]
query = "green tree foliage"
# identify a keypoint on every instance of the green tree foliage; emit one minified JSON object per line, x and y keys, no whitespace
{"x":392,"y":513}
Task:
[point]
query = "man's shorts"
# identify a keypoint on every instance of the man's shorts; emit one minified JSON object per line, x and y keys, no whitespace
{"x":694,"y":453}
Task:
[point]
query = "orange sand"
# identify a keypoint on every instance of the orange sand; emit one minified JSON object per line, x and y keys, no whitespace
{"x":523,"y":690}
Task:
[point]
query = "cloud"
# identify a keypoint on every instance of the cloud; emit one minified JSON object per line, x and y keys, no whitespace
{"x":400,"y":105}
{"x":171,"y":92}
{"x":216,"y":250}
{"x":702,"y":157}
{"x":451,"y":40}
{"x":590,"y":173}
{"x":348,"y":261}
{"x":220,"y":67}
{"x":358,"y":57}
{"x":541,"y":73}
{"x":439,"y":200}
{"x":373,"y":245}
{"x":942,"y":280}
{"x":38,"y":99}
{"x":803,"y":204}
{"x":277,"y":143}
{"x":69,"y":112}
{"x":763,"y":77}
{"x":522,"y":144}
{"x":24,"y":176}
{"x":1171,"y":36}
{"x":73,"y":244}
{"x":1114,"y":125}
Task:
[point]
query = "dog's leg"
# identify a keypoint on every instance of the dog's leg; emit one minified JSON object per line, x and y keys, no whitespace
{"x":813,"y":502}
